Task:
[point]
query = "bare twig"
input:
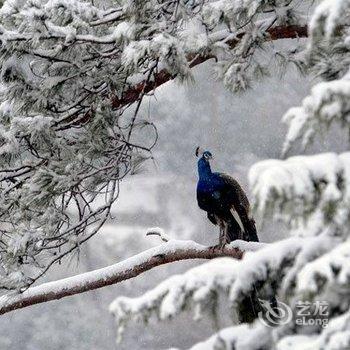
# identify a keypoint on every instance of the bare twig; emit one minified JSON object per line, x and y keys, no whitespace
{"x":156,"y":231}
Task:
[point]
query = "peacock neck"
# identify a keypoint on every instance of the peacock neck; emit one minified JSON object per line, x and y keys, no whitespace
{"x":204,"y":170}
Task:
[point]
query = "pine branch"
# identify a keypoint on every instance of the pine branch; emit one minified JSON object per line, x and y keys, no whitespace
{"x":166,"y":253}
{"x":163,"y":76}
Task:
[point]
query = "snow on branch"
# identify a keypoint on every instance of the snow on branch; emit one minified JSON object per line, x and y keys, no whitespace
{"x":198,"y":289}
{"x":257,"y":336}
{"x":329,"y":102}
{"x":168,"y":252}
{"x":329,"y":275}
{"x":304,"y":189}
{"x":335,"y":336}
{"x":329,"y":19}
{"x":332,"y":267}
{"x":275,"y":33}
{"x":242,"y":337}
{"x":327,"y":56}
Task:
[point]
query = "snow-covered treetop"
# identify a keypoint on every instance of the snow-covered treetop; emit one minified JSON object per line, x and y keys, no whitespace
{"x":69,"y":132}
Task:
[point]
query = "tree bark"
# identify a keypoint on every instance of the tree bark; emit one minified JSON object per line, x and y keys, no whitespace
{"x":133,"y":93}
{"x":129,"y":268}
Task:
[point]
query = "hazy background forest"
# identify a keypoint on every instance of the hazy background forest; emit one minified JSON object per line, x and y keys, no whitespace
{"x":239,"y":130}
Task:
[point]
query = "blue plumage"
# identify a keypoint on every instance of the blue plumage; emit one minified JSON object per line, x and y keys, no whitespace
{"x":209,"y":187}
{"x":225,"y":202}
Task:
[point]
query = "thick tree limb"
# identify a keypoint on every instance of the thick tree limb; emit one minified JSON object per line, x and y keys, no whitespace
{"x":163,"y":76}
{"x":168,"y":252}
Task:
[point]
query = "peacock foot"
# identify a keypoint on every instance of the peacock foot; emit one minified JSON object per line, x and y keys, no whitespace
{"x":215,"y":248}
{"x":220,"y":246}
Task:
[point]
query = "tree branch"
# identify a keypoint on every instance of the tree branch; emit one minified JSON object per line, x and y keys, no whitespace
{"x":165,"y":253}
{"x":163,"y":76}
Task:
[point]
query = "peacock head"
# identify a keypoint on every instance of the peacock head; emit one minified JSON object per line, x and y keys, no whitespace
{"x":206,"y":155}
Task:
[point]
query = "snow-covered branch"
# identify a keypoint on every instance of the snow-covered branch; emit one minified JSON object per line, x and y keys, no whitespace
{"x":335,"y":336}
{"x":327,"y":275}
{"x":258,"y":337}
{"x":129,"y":268}
{"x":241,"y":337}
{"x":199,"y":288}
{"x":309,"y":193}
{"x":275,"y":33}
{"x":327,"y":104}
{"x":327,"y":57}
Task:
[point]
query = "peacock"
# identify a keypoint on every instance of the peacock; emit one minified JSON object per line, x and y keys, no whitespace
{"x":225,"y":202}
{"x":227,"y":206}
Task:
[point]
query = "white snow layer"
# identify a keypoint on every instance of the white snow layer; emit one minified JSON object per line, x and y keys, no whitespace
{"x":328,"y":102}
{"x":242,"y":337}
{"x":327,"y":17}
{"x":333,"y":268}
{"x":106,"y":273}
{"x":304,"y":191}
{"x":198,"y":287}
{"x":335,"y":337}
